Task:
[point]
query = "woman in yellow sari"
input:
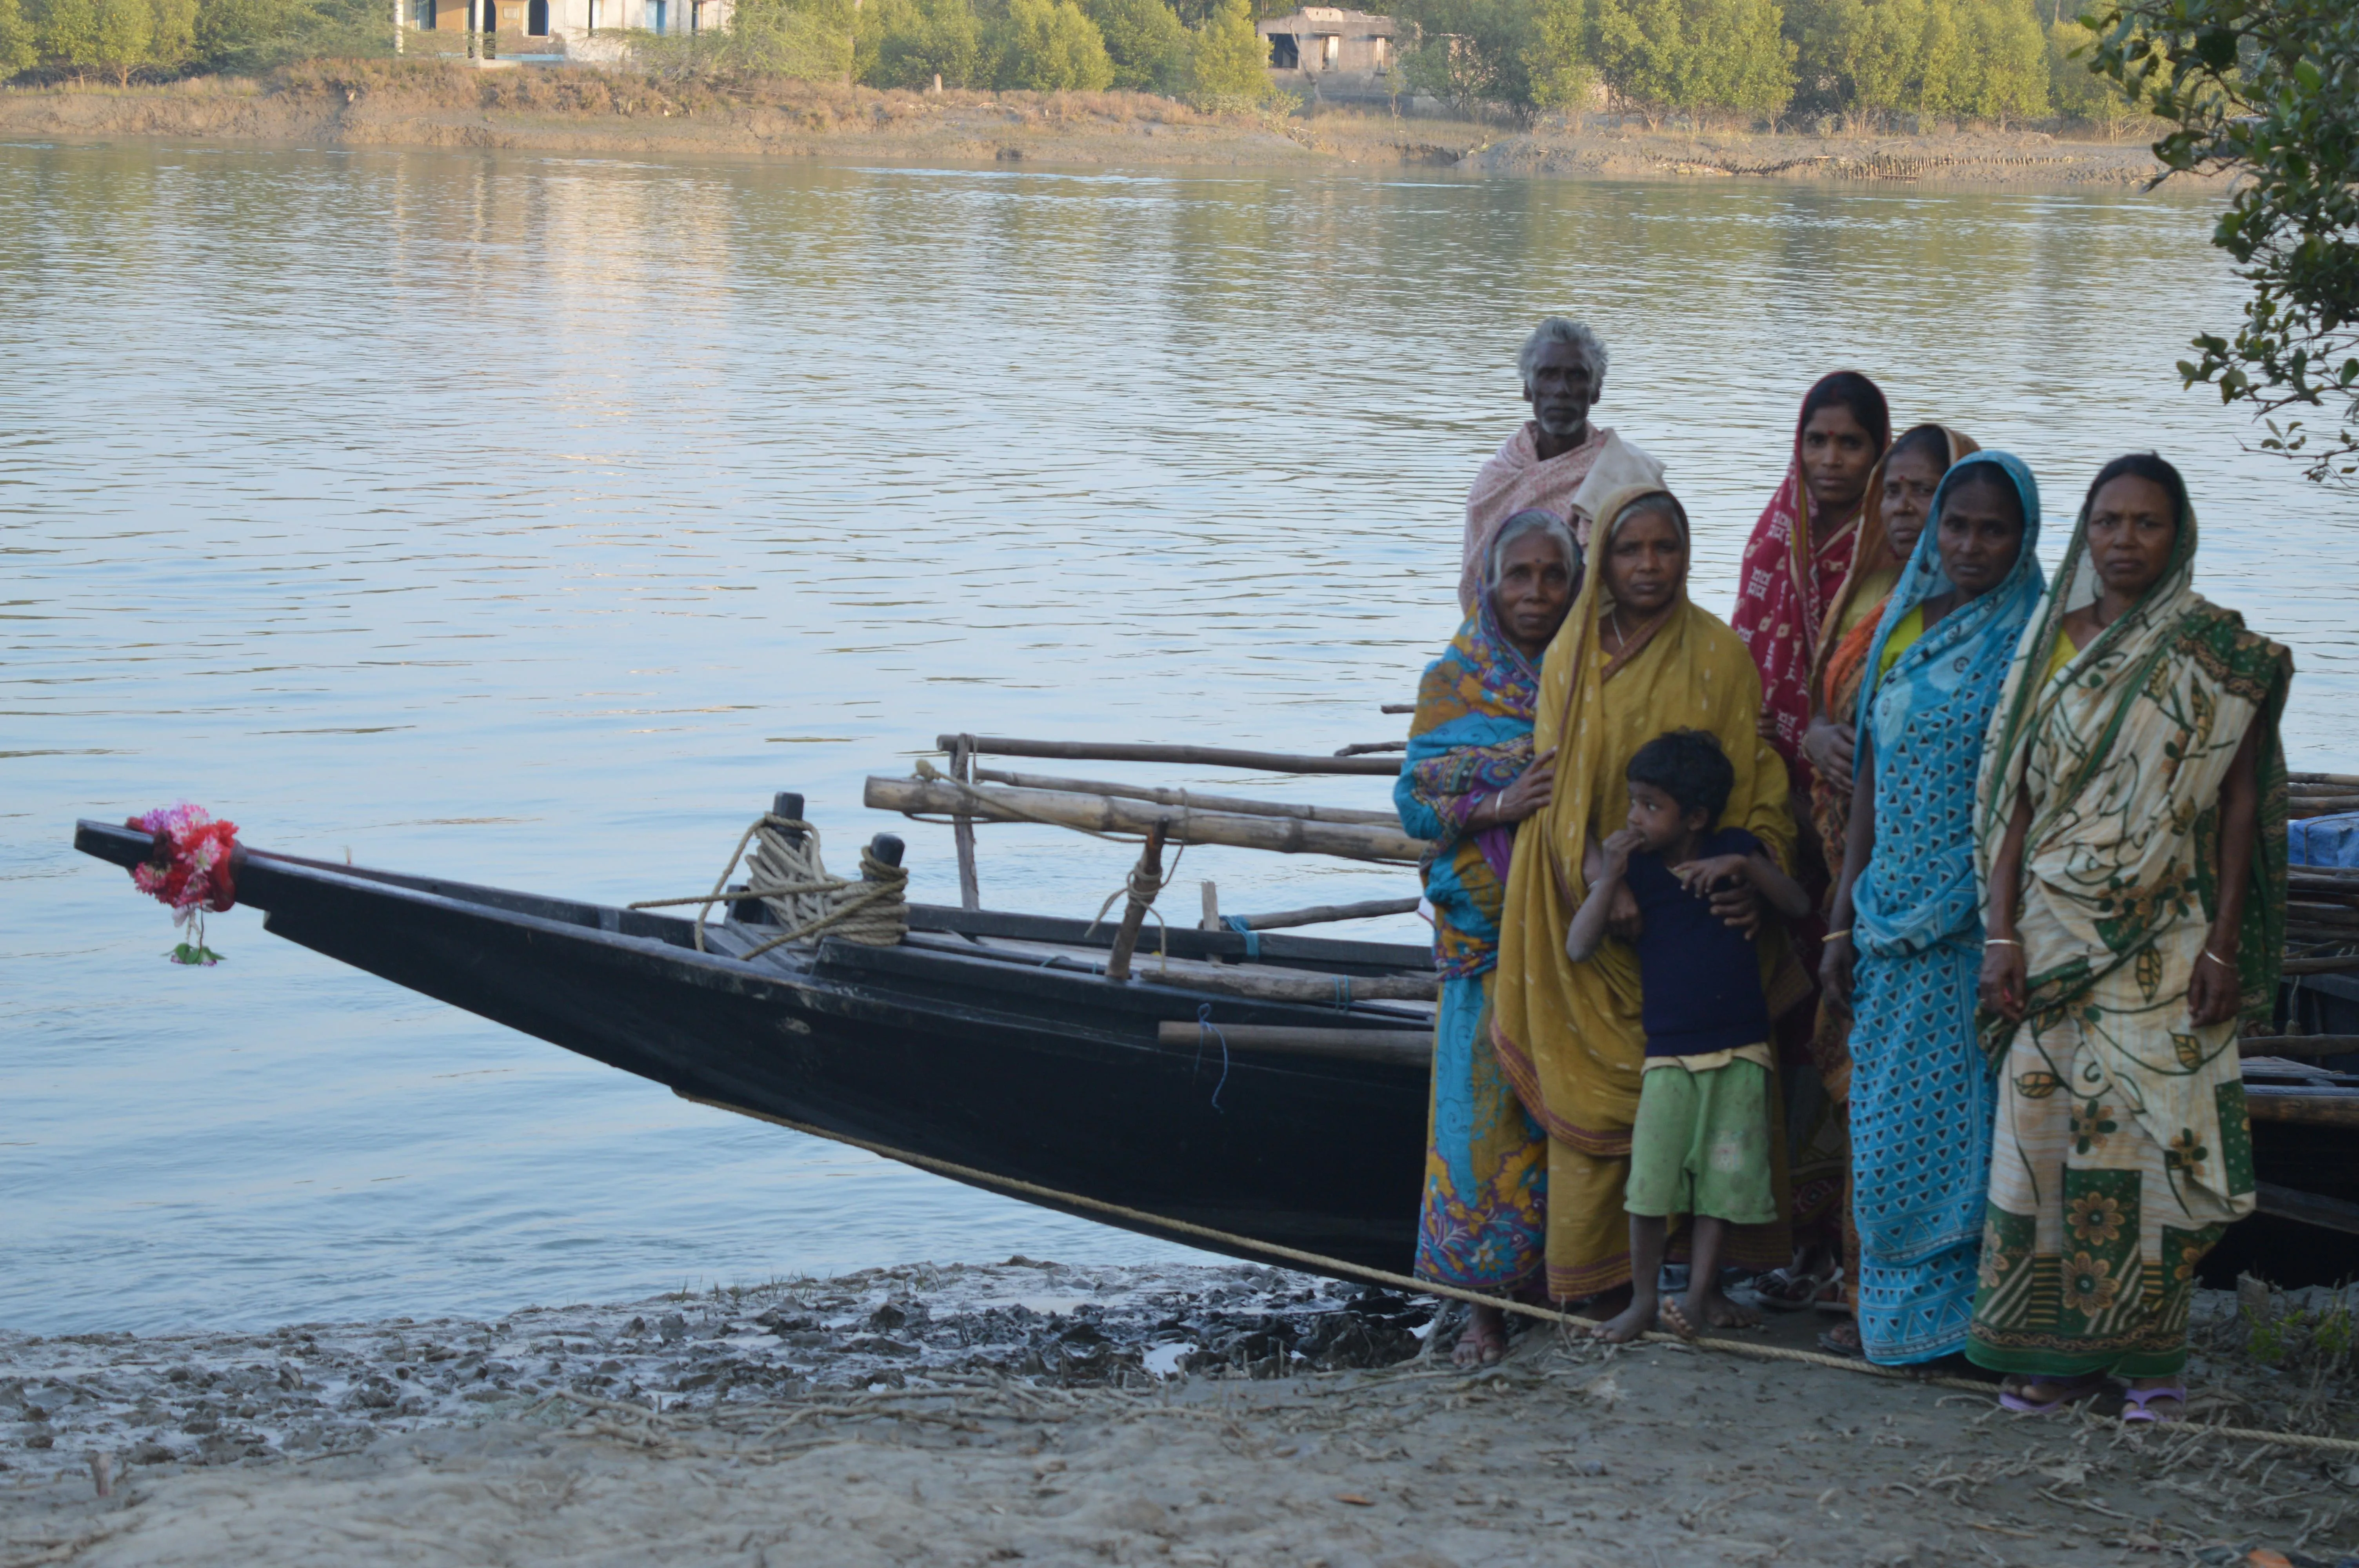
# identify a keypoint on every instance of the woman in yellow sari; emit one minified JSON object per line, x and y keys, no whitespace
{"x":1634,"y":659}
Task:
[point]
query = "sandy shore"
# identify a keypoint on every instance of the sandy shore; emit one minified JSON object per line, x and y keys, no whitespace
{"x":1031,"y":1412}
{"x":577,"y":110}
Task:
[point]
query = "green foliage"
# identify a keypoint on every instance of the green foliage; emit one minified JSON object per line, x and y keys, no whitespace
{"x":119,"y":45}
{"x":1690,"y":55}
{"x":249,"y":37}
{"x":2077,"y":91}
{"x":18,"y":42}
{"x":1228,"y":60}
{"x":1146,"y":42}
{"x":1878,"y":58}
{"x":915,"y":40}
{"x":2269,"y":91}
{"x":808,"y":40}
{"x":1048,"y":46}
{"x":1984,"y":58}
{"x":67,"y":33}
{"x":1556,"y":61}
{"x":1467,"y":52}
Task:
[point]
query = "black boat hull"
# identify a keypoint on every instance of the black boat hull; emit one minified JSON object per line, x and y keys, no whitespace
{"x":1052,"y":1078}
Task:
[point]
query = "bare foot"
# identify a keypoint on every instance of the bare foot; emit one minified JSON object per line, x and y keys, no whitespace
{"x":2038,"y":1395}
{"x":1485,"y":1341}
{"x":1630,"y":1323}
{"x":1705,"y":1304}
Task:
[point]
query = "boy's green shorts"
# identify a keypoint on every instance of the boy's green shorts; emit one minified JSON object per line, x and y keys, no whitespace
{"x":1701,"y":1145}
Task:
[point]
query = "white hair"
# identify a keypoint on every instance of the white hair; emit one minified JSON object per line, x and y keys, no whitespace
{"x":1534,"y":521}
{"x":1561,"y":329}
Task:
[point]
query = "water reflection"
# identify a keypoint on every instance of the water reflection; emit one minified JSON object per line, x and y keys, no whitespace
{"x":533,"y":519}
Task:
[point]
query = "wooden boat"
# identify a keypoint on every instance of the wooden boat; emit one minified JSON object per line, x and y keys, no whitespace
{"x":985,"y":1040}
{"x":1247,"y":1084}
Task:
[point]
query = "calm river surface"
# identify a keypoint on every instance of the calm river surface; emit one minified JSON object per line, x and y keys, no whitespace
{"x":532,"y":519}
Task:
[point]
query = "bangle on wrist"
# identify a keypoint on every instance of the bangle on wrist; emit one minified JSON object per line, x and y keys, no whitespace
{"x":1832,"y":935}
{"x":2001,"y":942}
{"x":2219,"y":960}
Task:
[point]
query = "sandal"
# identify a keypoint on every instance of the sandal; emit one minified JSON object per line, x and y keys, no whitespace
{"x":2068,"y":1391}
{"x":1843,"y":1339}
{"x":2134,"y":1405}
{"x":1783,"y":1289}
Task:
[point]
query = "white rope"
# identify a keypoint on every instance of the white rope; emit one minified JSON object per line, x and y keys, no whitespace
{"x":791,"y":881}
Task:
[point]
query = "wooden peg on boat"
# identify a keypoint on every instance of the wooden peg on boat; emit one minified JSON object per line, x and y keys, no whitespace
{"x":1211,"y":921}
{"x":888,"y":848}
{"x":1148,"y":874}
{"x":961,"y":750}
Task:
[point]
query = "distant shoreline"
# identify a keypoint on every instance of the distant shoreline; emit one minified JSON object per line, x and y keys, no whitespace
{"x":577,"y":110}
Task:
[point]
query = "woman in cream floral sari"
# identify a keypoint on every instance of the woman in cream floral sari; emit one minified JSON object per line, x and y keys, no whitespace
{"x":2133,"y":842}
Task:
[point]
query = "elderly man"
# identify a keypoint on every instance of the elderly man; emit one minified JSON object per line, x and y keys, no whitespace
{"x":1544,"y":464}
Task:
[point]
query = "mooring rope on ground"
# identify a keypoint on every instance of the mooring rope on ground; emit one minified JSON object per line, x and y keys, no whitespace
{"x":1340,"y":1268}
{"x":789,"y":878}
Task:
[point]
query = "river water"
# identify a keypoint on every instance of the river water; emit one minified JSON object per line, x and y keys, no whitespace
{"x":531,"y":519}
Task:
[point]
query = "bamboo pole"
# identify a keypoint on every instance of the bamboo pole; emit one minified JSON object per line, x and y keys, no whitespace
{"x":1369,"y":748}
{"x":1321,"y":914}
{"x":2314,"y":1108}
{"x":1243,"y":805}
{"x":1404,"y":1047}
{"x":1263,"y":984}
{"x":963,"y":834}
{"x":1203,"y":756}
{"x":1150,"y":876}
{"x":1101,"y":814}
{"x":2352,"y":780}
{"x":2343,"y":964}
{"x":2297,"y":1046}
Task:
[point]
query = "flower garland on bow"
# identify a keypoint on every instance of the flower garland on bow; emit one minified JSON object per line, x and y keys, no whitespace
{"x":191,"y":871}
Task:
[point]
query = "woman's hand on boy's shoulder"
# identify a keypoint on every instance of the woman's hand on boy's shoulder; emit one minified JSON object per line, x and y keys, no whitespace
{"x":1700,"y":877}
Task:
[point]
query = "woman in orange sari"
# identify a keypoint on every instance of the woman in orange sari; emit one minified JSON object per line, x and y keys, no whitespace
{"x":1635,"y":659}
{"x":1899,"y":496}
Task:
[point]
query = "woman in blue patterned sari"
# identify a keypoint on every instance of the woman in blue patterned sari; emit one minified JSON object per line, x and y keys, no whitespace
{"x":1469,"y":778}
{"x":1908,"y":938}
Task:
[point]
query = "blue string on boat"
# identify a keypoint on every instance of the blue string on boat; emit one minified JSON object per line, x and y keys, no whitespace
{"x":1236,"y":923}
{"x":1204,"y":1025}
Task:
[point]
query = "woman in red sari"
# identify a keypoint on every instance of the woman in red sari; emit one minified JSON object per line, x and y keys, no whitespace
{"x":1794,"y":568}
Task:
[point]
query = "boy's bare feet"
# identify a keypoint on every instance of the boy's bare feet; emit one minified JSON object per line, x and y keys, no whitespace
{"x":1485,"y":1343}
{"x":1705,"y":1304}
{"x":1631,"y":1322}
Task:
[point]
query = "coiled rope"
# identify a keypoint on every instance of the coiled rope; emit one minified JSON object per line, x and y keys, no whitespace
{"x":791,"y":881}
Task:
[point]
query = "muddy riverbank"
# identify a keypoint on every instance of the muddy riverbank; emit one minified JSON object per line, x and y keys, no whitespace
{"x":1031,"y":1413}
{"x":583,"y":110}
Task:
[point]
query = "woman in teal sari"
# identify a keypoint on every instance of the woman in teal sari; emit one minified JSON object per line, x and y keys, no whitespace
{"x":1469,"y":778}
{"x":1906,"y":941}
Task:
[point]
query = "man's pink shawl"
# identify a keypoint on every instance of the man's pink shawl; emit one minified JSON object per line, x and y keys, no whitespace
{"x":1515,"y":481}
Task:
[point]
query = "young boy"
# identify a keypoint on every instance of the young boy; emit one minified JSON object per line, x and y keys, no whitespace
{"x":1700,"y":1144}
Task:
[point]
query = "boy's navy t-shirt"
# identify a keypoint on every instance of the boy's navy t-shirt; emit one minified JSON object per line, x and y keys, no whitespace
{"x":1700,"y":979}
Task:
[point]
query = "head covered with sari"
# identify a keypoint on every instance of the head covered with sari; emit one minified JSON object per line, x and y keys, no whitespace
{"x":1927,"y":716}
{"x":1569,"y":1034}
{"x":1787,"y":579}
{"x":1867,"y":581}
{"x":1471,"y":738}
{"x":1922,"y":1095}
{"x":2123,"y":754}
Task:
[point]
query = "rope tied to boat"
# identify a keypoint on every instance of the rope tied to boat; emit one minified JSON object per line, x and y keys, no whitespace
{"x":788,"y":878}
